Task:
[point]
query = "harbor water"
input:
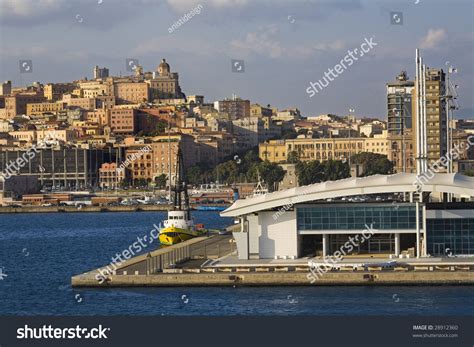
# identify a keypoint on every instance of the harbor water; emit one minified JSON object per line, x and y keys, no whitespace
{"x":40,"y":252}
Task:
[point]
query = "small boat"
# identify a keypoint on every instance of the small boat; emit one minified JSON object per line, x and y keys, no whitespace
{"x":177,"y":228}
{"x":179,"y":225}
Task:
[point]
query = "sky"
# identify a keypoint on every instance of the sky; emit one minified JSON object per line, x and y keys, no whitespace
{"x":285,"y":45}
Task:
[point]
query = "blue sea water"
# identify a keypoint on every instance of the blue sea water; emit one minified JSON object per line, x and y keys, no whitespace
{"x":40,"y":252}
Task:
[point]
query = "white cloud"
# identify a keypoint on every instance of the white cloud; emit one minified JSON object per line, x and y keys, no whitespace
{"x":261,"y":43}
{"x":433,"y":38}
{"x":26,"y":8}
{"x":187,"y":5}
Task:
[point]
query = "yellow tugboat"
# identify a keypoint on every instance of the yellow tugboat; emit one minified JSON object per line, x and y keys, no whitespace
{"x":179,"y":225}
{"x":177,"y":228}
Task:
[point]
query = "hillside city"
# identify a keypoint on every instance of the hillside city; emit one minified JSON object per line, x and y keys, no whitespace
{"x":122,"y":133}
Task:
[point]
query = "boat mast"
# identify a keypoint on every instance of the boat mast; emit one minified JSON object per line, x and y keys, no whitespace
{"x":181,"y":197}
{"x":169,"y":156}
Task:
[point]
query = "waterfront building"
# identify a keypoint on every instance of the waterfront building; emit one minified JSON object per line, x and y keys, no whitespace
{"x":16,"y":186}
{"x":320,"y":220}
{"x":111,"y":176}
{"x":60,"y":166}
{"x":153,"y":159}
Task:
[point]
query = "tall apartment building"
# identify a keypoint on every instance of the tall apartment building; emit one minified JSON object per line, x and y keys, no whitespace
{"x":400,"y":107}
{"x":436,"y":125}
{"x":122,"y":121}
{"x":150,"y":164}
{"x":6,"y":88}
{"x":100,"y":72}
{"x":236,"y":108}
{"x":164,"y":84}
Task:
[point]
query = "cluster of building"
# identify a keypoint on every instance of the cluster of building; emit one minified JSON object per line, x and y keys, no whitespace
{"x":91,"y":133}
{"x":424,"y":211}
{"x":327,"y":137}
{"x":85,"y":132}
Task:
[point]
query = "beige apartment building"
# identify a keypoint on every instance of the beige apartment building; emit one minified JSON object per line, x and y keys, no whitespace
{"x":111,"y":176}
{"x":16,"y":104}
{"x":131,"y":92}
{"x":37,"y":109}
{"x":28,"y":136}
{"x":84,"y":103}
{"x":61,"y":135}
{"x":54,"y":91}
{"x":99,"y":116}
{"x":277,"y":151}
{"x":122,"y":121}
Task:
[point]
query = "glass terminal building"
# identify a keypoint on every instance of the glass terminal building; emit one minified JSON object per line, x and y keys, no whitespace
{"x":383,"y":215}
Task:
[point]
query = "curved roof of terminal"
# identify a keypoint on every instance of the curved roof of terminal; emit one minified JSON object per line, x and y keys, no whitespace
{"x":378,"y":184}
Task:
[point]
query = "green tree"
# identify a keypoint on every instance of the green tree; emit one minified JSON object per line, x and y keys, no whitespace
{"x":271,"y":174}
{"x":293,"y":158}
{"x":315,"y":172}
{"x":336,"y":170}
{"x":227,"y":172}
{"x":160,"y":181}
{"x":309,"y":172}
{"x":140,"y":182}
{"x":374,"y":163}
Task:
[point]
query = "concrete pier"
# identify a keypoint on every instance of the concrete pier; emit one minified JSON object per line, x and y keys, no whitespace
{"x":211,"y":261}
{"x":85,"y":209}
